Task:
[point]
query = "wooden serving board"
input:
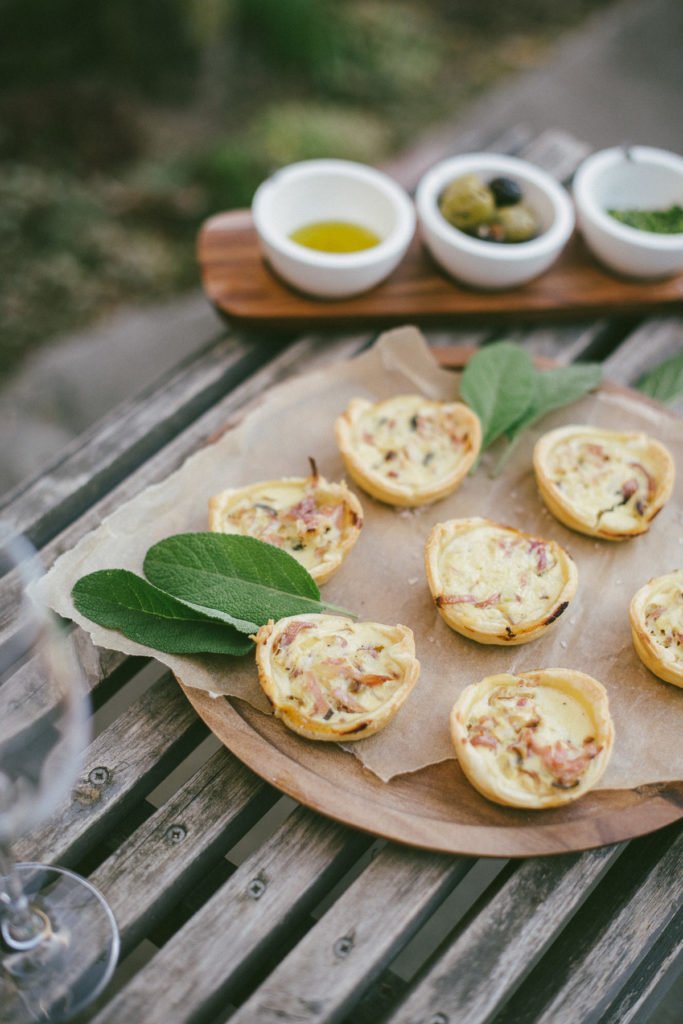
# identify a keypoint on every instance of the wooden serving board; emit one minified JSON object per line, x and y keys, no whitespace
{"x":241,"y":285}
{"x":435,"y":808}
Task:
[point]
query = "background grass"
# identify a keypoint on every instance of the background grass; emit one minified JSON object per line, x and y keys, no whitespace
{"x":123,"y":124}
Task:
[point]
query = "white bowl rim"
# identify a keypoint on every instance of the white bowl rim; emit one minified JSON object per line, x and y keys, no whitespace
{"x":588,"y":206}
{"x":434,"y":180}
{"x":393,"y":244}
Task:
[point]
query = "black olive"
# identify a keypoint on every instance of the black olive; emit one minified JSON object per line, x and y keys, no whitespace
{"x":506,"y":192}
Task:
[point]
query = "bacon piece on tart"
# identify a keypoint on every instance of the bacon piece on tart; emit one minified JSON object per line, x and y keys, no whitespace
{"x":315,"y":521}
{"x":329,"y":678}
{"x":495,"y":584}
{"x":656,"y":614}
{"x":537,"y":740}
{"x":602,"y":482}
{"x":408,"y":450}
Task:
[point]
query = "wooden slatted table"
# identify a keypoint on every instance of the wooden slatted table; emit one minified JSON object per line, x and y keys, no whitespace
{"x":236,"y":904}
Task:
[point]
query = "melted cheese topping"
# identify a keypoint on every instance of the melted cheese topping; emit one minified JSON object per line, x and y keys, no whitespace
{"x":331,"y":668}
{"x":499,"y":577}
{"x":299,"y":518}
{"x":662,"y":617}
{"x":534,"y":738}
{"x":411,"y":441}
{"x":611,"y":481}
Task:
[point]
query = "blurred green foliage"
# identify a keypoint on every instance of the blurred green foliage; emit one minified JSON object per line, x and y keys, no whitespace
{"x":124,"y":123}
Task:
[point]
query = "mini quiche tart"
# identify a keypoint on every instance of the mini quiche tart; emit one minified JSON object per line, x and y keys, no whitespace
{"x":656,"y":614}
{"x":408,"y":450}
{"x":495,"y":584}
{"x":329,"y":678}
{"x":535,"y":740}
{"x":602,"y":482}
{"x":315,"y":521}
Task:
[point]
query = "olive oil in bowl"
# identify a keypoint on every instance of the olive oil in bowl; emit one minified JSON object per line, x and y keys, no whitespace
{"x":335,"y":236}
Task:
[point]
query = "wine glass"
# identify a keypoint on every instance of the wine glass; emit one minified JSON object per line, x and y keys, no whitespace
{"x":59,"y":942}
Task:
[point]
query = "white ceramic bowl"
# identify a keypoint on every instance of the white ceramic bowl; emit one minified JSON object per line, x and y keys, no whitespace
{"x":491,"y":265}
{"x":320,"y":190}
{"x":639,"y":177}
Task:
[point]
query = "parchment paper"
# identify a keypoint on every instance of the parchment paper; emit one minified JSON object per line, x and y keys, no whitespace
{"x":383,"y":578}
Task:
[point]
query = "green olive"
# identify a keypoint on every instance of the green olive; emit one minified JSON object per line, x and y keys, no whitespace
{"x":518,"y":222}
{"x":467,"y":202}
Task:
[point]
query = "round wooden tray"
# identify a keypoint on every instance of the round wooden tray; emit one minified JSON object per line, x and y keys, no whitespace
{"x":434,"y":808}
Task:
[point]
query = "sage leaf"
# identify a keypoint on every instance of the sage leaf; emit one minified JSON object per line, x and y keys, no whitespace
{"x":498,"y":384}
{"x":553,"y":389}
{"x":556,"y":388}
{"x":237,"y":575}
{"x":118,"y":599}
{"x":664,"y":382}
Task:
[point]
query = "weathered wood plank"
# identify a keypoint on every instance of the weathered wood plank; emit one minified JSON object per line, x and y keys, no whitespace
{"x":248,"y":917}
{"x":599,"y":953}
{"x":650,"y":983}
{"x":171,"y":851}
{"x":647,"y":346}
{"x":125,"y":761}
{"x":104,"y":454}
{"x":331,"y":968}
{"x":306,"y":354}
{"x":490,"y":956}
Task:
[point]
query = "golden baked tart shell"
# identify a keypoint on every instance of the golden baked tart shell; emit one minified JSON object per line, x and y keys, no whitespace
{"x":536,"y":740}
{"x":495,"y":584}
{"x":408,"y":450}
{"x":330,"y":678}
{"x":315,"y":521}
{"x":603,"y":483}
{"x":656,"y":614}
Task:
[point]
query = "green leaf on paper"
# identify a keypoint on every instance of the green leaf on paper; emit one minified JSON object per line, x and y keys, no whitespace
{"x":501,"y":384}
{"x":120,"y":600}
{"x":664,"y":382}
{"x":234,"y":575}
{"x":553,"y":389}
{"x":498,"y":384}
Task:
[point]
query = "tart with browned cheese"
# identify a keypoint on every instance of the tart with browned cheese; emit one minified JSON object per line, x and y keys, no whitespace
{"x":330,"y":678}
{"x":408,"y":450}
{"x":495,"y":584}
{"x":602,"y":482}
{"x":537,"y":740}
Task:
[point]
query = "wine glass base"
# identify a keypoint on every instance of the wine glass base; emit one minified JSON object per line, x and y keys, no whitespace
{"x":72,"y":961}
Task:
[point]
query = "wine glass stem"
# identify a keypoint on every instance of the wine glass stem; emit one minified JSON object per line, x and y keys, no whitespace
{"x":21,"y":927}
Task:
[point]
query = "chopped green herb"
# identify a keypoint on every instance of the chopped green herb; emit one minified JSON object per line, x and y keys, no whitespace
{"x":661,"y":222}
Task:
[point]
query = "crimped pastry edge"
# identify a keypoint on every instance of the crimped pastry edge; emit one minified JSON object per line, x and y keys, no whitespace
{"x":337,"y":492}
{"x":360,"y":725}
{"x":568,"y":514}
{"x":523,"y":633}
{"x":645,"y":647}
{"x":398,"y":494}
{"x":585,"y":688}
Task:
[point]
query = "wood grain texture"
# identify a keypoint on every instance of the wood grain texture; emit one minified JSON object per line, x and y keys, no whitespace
{"x":248,"y":918}
{"x":171,"y":851}
{"x":100,"y":457}
{"x":593,"y":961}
{"x":239,"y":283}
{"x":649,"y":984}
{"x":329,"y":970}
{"x":132,"y":755}
{"x":491,"y":955}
